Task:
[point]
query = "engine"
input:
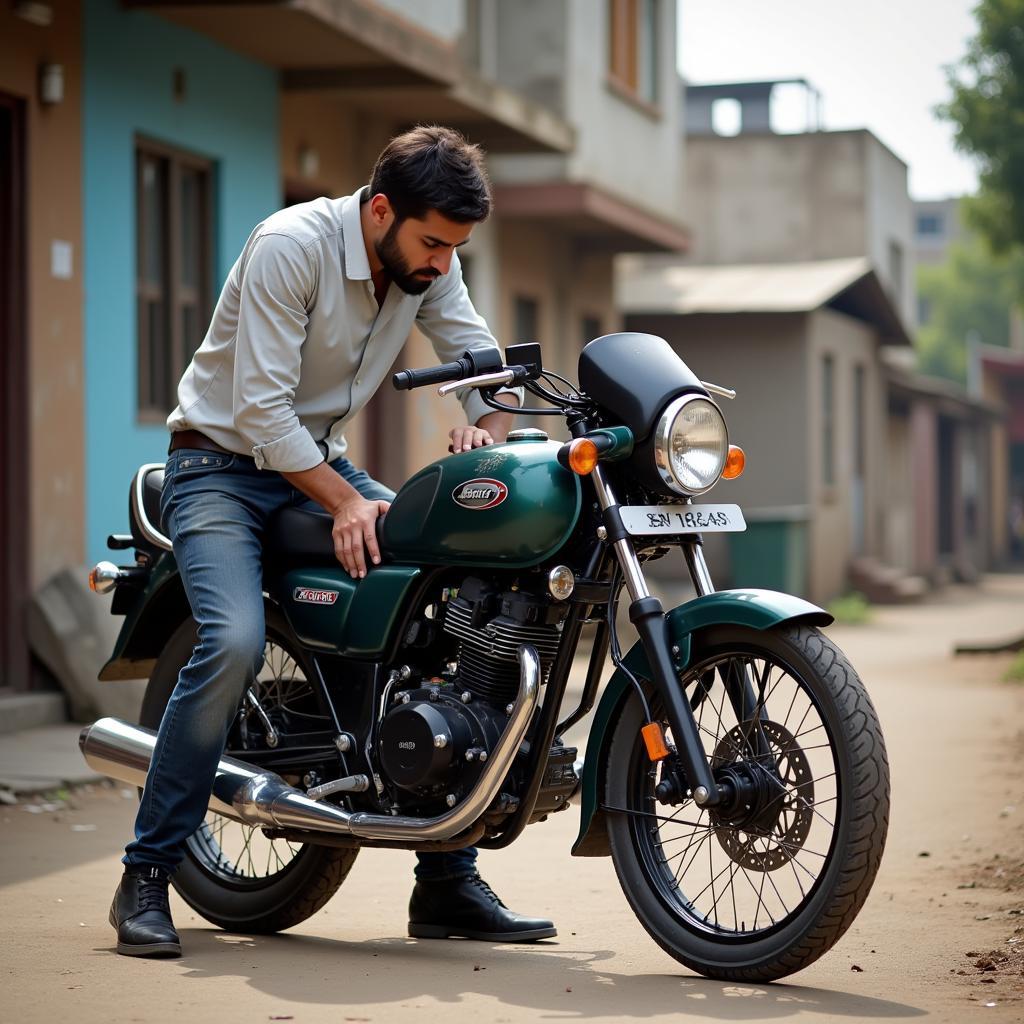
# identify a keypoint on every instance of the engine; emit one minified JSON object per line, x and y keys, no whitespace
{"x":436,"y":739}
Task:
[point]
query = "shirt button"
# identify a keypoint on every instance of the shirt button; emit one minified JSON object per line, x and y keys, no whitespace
{"x":358,"y":381}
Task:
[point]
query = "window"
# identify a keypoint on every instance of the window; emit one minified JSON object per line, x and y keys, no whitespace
{"x":929,"y":224}
{"x":526,"y":319}
{"x":633,"y":47}
{"x":591,"y":328}
{"x":173,"y":269}
{"x":828,"y":421}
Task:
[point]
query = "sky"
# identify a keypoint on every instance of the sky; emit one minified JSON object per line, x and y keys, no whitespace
{"x":878,"y":64}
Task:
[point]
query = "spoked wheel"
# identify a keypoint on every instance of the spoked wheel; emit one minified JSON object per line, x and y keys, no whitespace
{"x":232,"y":874}
{"x":764,"y":883}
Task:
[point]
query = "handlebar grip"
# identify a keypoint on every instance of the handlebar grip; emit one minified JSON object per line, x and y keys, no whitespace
{"x":405,"y":380}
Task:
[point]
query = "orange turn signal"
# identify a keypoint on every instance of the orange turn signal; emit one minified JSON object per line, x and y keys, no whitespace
{"x":654,"y":740}
{"x":92,"y":581}
{"x":734,"y":462}
{"x":583,"y":455}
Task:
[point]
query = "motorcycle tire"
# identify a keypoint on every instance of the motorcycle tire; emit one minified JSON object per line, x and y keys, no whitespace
{"x":205,"y":879}
{"x":817,"y":835}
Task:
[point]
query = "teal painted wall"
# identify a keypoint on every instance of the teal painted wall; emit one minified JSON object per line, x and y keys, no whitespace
{"x":229,"y":115}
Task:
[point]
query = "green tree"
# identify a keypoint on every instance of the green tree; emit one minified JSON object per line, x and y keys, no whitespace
{"x":968,"y":296}
{"x":987,"y":110}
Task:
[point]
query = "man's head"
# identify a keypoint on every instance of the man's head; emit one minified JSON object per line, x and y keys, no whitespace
{"x":428,"y":190}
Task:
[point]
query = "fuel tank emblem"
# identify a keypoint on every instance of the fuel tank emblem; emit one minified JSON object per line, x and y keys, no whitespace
{"x":480,"y":493}
{"x":308,"y":596}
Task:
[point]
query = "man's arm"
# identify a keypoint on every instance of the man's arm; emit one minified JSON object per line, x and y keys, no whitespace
{"x":447,"y":317}
{"x":276,"y":285}
{"x":355,"y":518}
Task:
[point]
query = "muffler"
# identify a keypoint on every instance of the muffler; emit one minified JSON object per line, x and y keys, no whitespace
{"x":252,"y":796}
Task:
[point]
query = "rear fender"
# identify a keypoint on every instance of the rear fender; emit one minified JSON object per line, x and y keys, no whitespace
{"x":158,"y":609}
{"x":759,"y":609}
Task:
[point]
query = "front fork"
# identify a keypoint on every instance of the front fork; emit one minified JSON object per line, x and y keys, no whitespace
{"x":648,"y":617}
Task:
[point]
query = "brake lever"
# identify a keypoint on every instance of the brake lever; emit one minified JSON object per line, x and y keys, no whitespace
{"x":483,"y":380}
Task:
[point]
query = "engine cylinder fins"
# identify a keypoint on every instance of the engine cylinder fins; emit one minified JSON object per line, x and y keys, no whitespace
{"x":487,"y":653}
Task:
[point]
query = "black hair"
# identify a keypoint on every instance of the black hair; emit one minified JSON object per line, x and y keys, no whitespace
{"x":433,"y":168}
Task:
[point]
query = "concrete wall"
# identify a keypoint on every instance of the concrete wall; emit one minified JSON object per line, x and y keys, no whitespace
{"x":612,"y":129}
{"x":765,"y":198}
{"x":444,"y":18}
{"x":850,"y":343}
{"x":763,"y":359}
{"x":53,"y":305}
{"x":229,"y":115}
{"x":775,"y":198}
{"x":890,"y":222}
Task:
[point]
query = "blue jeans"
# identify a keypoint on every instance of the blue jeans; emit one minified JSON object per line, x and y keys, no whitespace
{"x":215,"y":509}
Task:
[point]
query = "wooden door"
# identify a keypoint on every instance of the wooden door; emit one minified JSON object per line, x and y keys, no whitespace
{"x":13,"y":399}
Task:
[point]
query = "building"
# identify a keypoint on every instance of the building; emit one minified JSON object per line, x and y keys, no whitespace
{"x":801,"y":345}
{"x":42,"y":476}
{"x":893,"y":491}
{"x":145,"y":139}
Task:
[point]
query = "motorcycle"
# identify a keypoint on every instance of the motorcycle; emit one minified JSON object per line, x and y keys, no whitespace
{"x":735,"y":769}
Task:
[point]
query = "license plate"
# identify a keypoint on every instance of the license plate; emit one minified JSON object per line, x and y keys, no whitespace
{"x":643,"y":520}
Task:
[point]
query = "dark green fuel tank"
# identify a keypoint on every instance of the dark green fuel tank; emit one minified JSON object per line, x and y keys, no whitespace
{"x":509,"y":505}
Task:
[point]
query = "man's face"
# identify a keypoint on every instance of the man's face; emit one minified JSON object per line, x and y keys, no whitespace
{"x":415,"y":252}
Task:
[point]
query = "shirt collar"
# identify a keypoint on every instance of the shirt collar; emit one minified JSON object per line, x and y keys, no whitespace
{"x":357,"y":266}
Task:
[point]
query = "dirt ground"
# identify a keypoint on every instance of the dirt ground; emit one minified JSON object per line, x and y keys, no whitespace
{"x":938,"y":936}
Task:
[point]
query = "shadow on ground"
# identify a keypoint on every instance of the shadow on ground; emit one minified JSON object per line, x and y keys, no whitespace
{"x":547,"y":977}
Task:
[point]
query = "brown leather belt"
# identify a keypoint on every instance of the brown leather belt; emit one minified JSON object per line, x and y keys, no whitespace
{"x":195,"y":439}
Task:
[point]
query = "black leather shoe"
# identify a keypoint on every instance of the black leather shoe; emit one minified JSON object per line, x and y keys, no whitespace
{"x":467,"y":907}
{"x":141,"y":914}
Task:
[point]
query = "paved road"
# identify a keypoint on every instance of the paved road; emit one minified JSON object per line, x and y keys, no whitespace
{"x":953,"y":731}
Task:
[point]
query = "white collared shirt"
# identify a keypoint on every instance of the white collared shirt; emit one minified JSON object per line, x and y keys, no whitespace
{"x":297,"y":344}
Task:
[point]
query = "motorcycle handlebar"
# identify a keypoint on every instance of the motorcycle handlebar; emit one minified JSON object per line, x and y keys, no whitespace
{"x":471,"y":363}
{"x":406,"y":380}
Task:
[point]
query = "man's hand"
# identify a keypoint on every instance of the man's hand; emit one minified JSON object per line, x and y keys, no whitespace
{"x":490,"y":428}
{"x":465,"y":438}
{"x":355,"y":525}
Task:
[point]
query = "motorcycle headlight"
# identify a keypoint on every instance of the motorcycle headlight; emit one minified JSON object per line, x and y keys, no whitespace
{"x":691,"y":444}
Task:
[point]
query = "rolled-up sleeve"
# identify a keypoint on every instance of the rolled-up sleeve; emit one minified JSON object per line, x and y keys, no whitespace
{"x":277,"y":283}
{"x":447,"y":317}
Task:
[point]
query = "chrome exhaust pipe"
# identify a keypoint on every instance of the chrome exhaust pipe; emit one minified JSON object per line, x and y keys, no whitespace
{"x":261,"y":798}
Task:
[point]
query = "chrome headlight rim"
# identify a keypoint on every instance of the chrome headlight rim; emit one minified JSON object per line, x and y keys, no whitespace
{"x":662,"y":433}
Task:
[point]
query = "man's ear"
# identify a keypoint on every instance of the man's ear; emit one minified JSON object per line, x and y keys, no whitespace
{"x":382,"y":213}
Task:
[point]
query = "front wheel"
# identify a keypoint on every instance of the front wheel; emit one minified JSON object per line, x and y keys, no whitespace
{"x":762,"y":886}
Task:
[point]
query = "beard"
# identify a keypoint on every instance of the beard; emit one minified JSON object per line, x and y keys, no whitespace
{"x":412,"y":282}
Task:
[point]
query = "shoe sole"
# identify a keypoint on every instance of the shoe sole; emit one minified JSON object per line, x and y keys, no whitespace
{"x":152,"y":949}
{"x":440,"y":931}
{"x":164,"y":950}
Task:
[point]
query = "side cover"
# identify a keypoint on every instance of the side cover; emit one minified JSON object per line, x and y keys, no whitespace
{"x":331,"y":612}
{"x":759,"y":609}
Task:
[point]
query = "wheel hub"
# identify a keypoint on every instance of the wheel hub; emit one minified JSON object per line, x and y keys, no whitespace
{"x":766,"y":815}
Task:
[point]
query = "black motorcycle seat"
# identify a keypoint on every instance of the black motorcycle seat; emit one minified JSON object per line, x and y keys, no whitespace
{"x":302,"y":535}
{"x":298,"y":535}
{"x":151,"y":488}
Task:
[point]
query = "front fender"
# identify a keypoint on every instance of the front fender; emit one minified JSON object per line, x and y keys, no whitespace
{"x":759,"y":609}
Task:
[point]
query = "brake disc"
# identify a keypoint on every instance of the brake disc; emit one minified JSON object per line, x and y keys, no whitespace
{"x":777,"y":825}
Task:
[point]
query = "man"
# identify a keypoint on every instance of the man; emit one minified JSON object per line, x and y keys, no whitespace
{"x":313,"y":314}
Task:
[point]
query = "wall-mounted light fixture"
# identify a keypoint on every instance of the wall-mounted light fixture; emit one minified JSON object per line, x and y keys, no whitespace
{"x":309,"y":161}
{"x":34,"y":13}
{"x":51,"y":84}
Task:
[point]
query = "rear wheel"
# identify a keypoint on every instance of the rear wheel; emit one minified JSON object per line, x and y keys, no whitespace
{"x":232,"y":874}
{"x":761,"y":887}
